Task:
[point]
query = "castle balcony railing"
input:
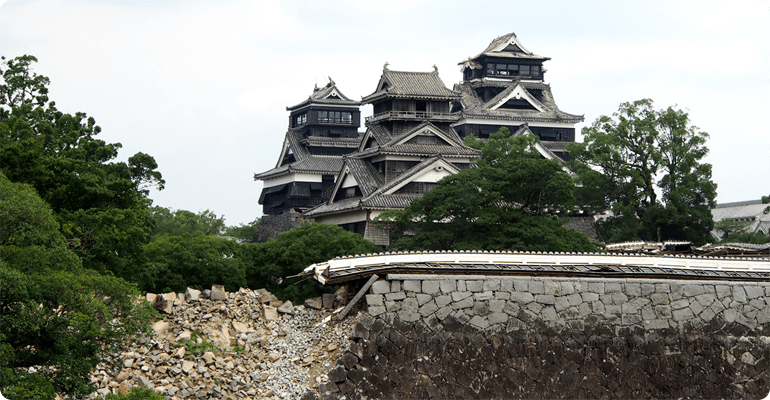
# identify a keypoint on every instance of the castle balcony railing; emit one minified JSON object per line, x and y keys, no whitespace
{"x":413,"y":116}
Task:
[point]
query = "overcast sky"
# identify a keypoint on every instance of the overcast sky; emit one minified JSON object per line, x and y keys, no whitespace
{"x":203,"y":86}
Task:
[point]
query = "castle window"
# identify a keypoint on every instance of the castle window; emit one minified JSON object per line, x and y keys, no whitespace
{"x":513,"y":70}
{"x":300,"y":120}
{"x":337,"y":117}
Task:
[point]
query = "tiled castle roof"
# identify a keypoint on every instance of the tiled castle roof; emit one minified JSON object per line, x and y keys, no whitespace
{"x":304,"y":161}
{"x":404,"y":84}
{"x":329,"y":95}
{"x":506,"y":46}
{"x":473,"y":107}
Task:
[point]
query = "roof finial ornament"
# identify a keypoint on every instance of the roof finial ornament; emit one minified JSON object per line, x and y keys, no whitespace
{"x":435,"y":68}
{"x":331,"y":81}
{"x":385,"y":67}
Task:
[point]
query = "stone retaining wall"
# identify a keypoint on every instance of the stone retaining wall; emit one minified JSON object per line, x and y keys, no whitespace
{"x":433,"y":336}
{"x":271,"y":225}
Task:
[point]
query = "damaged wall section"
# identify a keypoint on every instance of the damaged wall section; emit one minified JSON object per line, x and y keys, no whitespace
{"x":437,"y":337}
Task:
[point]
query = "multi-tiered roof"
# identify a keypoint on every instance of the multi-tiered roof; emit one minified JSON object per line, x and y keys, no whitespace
{"x":322,"y":129}
{"x":408,"y":146}
{"x":332,"y":173}
{"x":503,"y":86}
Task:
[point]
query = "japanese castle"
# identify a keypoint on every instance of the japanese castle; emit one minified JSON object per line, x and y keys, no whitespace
{"x":328,"y":171}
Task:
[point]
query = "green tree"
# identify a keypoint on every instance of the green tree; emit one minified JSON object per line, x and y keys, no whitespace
{"x":293,"y":251}
{"x":136,"y":393}
{"x":243,"y":232}
{"x":511,"y":201}
{"x":30,"y":239}
{"x":101,"y":205}
{"x":179,"y":222}
{"x":645,"y":166}
{"x":176,"y":262}
{"x":56,"y":316}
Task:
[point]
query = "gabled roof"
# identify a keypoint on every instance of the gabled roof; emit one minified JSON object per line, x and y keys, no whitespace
{"x":404,"y":84}
{"x":382,"y":197}
{"x":541,"y":148}
{"x":385,"y":139}
{"x":450,"y":137}
{"x":506,"y":46}
{"x":304,"y":162}
{"x":515,"y":91}
{"x":473,"y":107}
{"x":367,"y":178}
{"x":389,"y":144}
{"x":329,"y":95}
{"x":413,"y":172}
{"x":377,"y":132}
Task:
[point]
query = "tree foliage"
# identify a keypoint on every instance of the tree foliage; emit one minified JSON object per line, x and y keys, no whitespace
{"x":293,"y":251}
{"x":176,"y":262}
{"x":511,"y":201}
{"x":136,"y":393}
{"x":645,"y":166}
{"x":243,"y":232}
{"x":181,"y":222}
{"x":30,"y":239}
{"x":101,"y":205}
{"x":56,"y":315}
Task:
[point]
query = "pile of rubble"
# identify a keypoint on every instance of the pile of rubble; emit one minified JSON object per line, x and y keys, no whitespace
{"x":246,"y":344}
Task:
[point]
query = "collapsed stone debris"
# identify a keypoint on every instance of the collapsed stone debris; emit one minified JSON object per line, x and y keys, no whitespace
{"x":231,"y":345}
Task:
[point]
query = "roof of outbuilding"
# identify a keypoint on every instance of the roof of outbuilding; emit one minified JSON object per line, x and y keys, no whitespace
{"x":433,"y":264}
{"x":741,"y":210}
{"x":405,"y":84}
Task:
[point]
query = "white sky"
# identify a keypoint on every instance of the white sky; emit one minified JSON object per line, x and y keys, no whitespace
{"x":203,"y":86}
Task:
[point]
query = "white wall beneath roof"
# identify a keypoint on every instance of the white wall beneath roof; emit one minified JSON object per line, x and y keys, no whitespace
{"x":280,"y":180}
{"x":349,"y":181}
{"x":432,"y":176}
{"x":347,"y":218}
